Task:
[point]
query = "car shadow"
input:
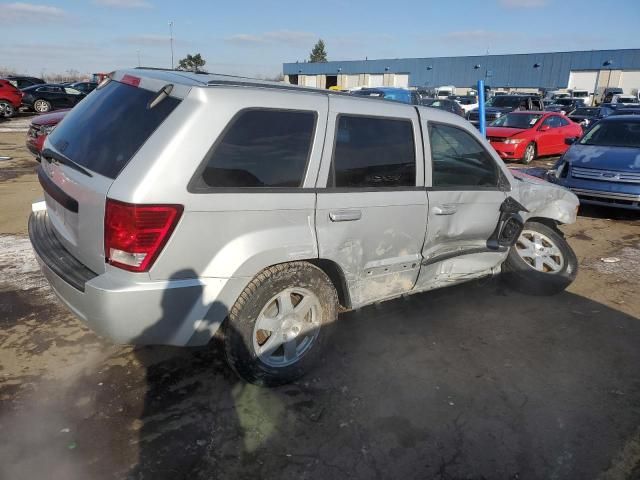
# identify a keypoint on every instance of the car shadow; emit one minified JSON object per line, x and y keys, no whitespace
{"x":472,"y":382}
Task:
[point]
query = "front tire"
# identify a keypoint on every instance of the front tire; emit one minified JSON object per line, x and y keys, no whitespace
{"x":529,"y":154}
{"x":541,"y":262}
{"x":277,"y":328}
{"x":41,"y":106}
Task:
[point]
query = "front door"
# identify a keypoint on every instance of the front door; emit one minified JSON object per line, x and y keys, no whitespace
{"x":550,"y":140}
{"x":371,"y":212}
{"x":465,"y":194}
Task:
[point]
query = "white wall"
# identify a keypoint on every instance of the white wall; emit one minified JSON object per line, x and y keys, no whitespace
{"x":630,"y":81}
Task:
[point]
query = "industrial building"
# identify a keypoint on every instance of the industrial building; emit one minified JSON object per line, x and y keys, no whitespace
{"x":592,"y":70}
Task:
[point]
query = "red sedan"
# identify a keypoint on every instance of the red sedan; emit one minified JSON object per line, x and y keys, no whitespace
{"x":40,"y":127}
{"x":527,"y":135}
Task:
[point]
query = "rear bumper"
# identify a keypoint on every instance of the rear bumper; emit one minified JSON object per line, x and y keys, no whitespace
{"x":128,"y":308}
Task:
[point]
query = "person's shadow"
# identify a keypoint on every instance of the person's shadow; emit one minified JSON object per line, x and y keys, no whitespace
{"x":189,"y":408}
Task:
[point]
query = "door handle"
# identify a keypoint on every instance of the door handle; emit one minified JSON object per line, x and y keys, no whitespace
{"x":345,"y":215}
{"x":445,"y":209}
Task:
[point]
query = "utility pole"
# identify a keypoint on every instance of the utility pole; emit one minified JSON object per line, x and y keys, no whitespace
{"x":171,"y":40}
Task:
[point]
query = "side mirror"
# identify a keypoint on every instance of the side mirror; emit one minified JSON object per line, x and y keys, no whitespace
{"x":570,"y":140}
{"x":544,"y":128}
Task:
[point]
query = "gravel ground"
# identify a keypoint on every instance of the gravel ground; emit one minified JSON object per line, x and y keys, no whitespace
{"x":471,"y":382}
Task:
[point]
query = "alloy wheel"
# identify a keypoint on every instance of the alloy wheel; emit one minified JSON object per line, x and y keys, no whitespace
{"x":287,"y":327}
{"x":539,"y":252}
{"x":41,"y":106}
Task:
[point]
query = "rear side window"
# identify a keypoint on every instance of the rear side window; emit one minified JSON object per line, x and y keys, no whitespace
{"x":459,"y":160}
{"x":261,"y":148}
{"x":373,"y":152}
{"x":105,"y":130}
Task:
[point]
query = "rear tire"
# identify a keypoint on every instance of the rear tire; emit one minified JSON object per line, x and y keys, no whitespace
{"x":530,"y":154}
{"x":277,"y":328}
{"x":41,"y":106}
{"x":541,"y":262}
{"x":7,"y":109}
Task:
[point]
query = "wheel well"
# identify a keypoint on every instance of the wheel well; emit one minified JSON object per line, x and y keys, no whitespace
{"x":336,"y":275}
{"x":549,"y":222}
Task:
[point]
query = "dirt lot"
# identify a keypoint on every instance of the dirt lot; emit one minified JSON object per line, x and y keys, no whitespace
{"x":472,"y":382}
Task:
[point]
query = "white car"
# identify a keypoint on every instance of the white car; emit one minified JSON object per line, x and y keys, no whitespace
{"x":625,"y":99}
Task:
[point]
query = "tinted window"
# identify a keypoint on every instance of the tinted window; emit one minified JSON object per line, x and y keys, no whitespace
{"x":459,"y":160}
{"x":373,"y":152}
{"x":106,"y":129}
{"x":262,"y":148}
{"x":563,"y":121}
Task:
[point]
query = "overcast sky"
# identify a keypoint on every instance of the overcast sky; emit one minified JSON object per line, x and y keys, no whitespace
{"x":251,"y":37}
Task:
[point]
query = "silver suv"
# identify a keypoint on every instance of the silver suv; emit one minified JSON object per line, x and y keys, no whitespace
{"x":177,"y":204}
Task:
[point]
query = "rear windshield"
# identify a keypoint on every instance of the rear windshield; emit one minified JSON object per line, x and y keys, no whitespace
{"x":109,"y":126}
{"x":504,"y":101}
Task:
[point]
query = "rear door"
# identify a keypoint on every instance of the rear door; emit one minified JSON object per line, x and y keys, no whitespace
{"x":85,"y":154}
{"x":465,"y":194}
{"x":371,"y":206}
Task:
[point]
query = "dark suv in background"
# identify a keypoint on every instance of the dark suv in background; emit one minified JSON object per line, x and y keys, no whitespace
{"x":501,"y":105}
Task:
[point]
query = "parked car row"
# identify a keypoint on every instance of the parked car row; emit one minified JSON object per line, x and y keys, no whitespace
{"x":32,"y":93}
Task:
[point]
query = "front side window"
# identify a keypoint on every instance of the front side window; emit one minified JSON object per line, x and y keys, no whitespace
{"x":459,"y":160}
{"x":261,"y":148}
{"x":552,"y":122}
{"x":373,"y":152}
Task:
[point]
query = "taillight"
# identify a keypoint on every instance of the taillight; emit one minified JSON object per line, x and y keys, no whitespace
{"x":134,"y":235}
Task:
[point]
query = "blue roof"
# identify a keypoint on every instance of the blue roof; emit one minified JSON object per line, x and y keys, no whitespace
{"x":547,"y":70}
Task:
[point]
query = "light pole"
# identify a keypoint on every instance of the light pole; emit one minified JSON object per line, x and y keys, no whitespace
{"x":608,"y":63}
{"x":171,"y":40}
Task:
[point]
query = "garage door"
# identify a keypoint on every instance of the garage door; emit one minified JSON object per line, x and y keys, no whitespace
{"x":630,"y":81}
{"x":310,"y":81}
{"x":583,"y":80}
{"x":401,"y":80}
{"x":376,"y":80}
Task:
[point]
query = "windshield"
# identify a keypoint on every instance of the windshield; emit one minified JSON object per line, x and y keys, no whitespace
{"x":587,"y":112}
{"x":105,"y":130}
{"x":517,"y":120}
{"x":503,"y":101}
{"x":613,"y":134}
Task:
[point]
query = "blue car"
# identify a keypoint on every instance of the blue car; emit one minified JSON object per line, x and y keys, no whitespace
{"x":390,"y":93}
{"x":603,"y":167}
